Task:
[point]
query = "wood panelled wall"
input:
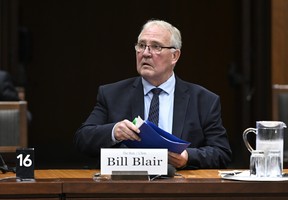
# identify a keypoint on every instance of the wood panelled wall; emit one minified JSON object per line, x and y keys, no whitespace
{"x":279,"y":41}
{"x":79,"y":45}
{"x":279,"y":65}
{"x":8,"y":35}
{"x":279,"y":51}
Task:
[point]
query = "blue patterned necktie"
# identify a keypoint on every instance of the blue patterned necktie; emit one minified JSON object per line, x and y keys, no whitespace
{"x":154,"y":106}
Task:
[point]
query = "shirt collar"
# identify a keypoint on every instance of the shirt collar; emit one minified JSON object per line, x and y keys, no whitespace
{"x":168,"y":86}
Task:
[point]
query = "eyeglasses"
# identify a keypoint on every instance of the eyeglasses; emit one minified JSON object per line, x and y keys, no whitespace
{"x":153,"y":48}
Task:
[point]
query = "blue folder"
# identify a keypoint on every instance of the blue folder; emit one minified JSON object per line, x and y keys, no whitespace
{"x":155,"y":137}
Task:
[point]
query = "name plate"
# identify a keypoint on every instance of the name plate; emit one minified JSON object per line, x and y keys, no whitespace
{"x":153,"y":161}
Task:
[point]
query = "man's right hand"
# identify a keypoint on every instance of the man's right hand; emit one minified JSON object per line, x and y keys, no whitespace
{"x":126,"y":130}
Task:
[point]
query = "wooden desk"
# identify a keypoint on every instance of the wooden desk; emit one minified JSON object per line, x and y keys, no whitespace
{"x":40,"y":189}
{"x":197,"y":184}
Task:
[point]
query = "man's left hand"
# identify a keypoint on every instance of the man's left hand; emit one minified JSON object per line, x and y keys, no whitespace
{"x":178,"y":160}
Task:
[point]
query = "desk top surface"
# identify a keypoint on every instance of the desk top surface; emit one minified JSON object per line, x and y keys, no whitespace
{"x":89,"y":173}
{"x":71,"y":173}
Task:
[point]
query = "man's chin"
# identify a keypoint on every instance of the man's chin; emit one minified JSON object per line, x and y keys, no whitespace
{"x":146,"y":72}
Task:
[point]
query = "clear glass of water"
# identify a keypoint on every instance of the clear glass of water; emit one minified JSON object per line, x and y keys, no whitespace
{"x":257,"y":163}
{"x":273,"y":167}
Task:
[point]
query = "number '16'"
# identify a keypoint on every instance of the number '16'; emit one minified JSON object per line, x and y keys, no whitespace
{"x":26,"y":162}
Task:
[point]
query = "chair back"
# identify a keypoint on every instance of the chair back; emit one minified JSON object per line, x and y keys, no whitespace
{"x":13,"y":125}
{"x":280,"y":112}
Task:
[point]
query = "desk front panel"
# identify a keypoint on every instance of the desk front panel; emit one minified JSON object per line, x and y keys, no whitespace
{"x":175,"y":189}
{"x":197,"y":184}
{"x":40,"y":189}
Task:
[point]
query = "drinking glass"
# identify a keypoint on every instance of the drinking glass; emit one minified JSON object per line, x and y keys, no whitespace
{"x":257,"y":163}
{"x":273,"y":167}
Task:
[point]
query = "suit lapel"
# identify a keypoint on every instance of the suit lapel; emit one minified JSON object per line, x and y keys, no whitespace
{"x":181,"y":100}
{"x":137,"y":99}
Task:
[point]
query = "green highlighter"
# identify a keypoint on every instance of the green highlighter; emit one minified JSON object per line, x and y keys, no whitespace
{"x":135,"y":120}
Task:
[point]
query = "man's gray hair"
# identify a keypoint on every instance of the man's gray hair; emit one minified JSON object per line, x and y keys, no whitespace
{"x":175,"y":33}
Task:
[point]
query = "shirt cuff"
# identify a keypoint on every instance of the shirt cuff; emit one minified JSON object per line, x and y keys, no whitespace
{"x":113,"y":137}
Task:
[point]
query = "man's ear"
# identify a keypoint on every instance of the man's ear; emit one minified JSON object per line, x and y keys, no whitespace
{"x":176,"y":55}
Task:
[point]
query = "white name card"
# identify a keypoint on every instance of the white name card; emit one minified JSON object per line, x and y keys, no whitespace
{"x":154,"y":161}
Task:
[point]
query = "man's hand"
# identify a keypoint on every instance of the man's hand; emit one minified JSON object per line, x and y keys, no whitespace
{"x":178,"y":160}
{"x":126,"y":130}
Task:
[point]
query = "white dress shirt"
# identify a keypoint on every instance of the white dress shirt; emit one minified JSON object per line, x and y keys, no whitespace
{"x":166,"y":102}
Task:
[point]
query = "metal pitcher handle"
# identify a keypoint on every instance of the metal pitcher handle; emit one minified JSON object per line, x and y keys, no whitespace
{"x":245,"y":133}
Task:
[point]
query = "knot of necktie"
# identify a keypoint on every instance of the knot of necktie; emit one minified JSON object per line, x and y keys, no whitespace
{"x":156,"y":91}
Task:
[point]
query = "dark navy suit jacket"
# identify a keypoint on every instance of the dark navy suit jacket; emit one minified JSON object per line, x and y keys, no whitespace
{"x":196,"y":118}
